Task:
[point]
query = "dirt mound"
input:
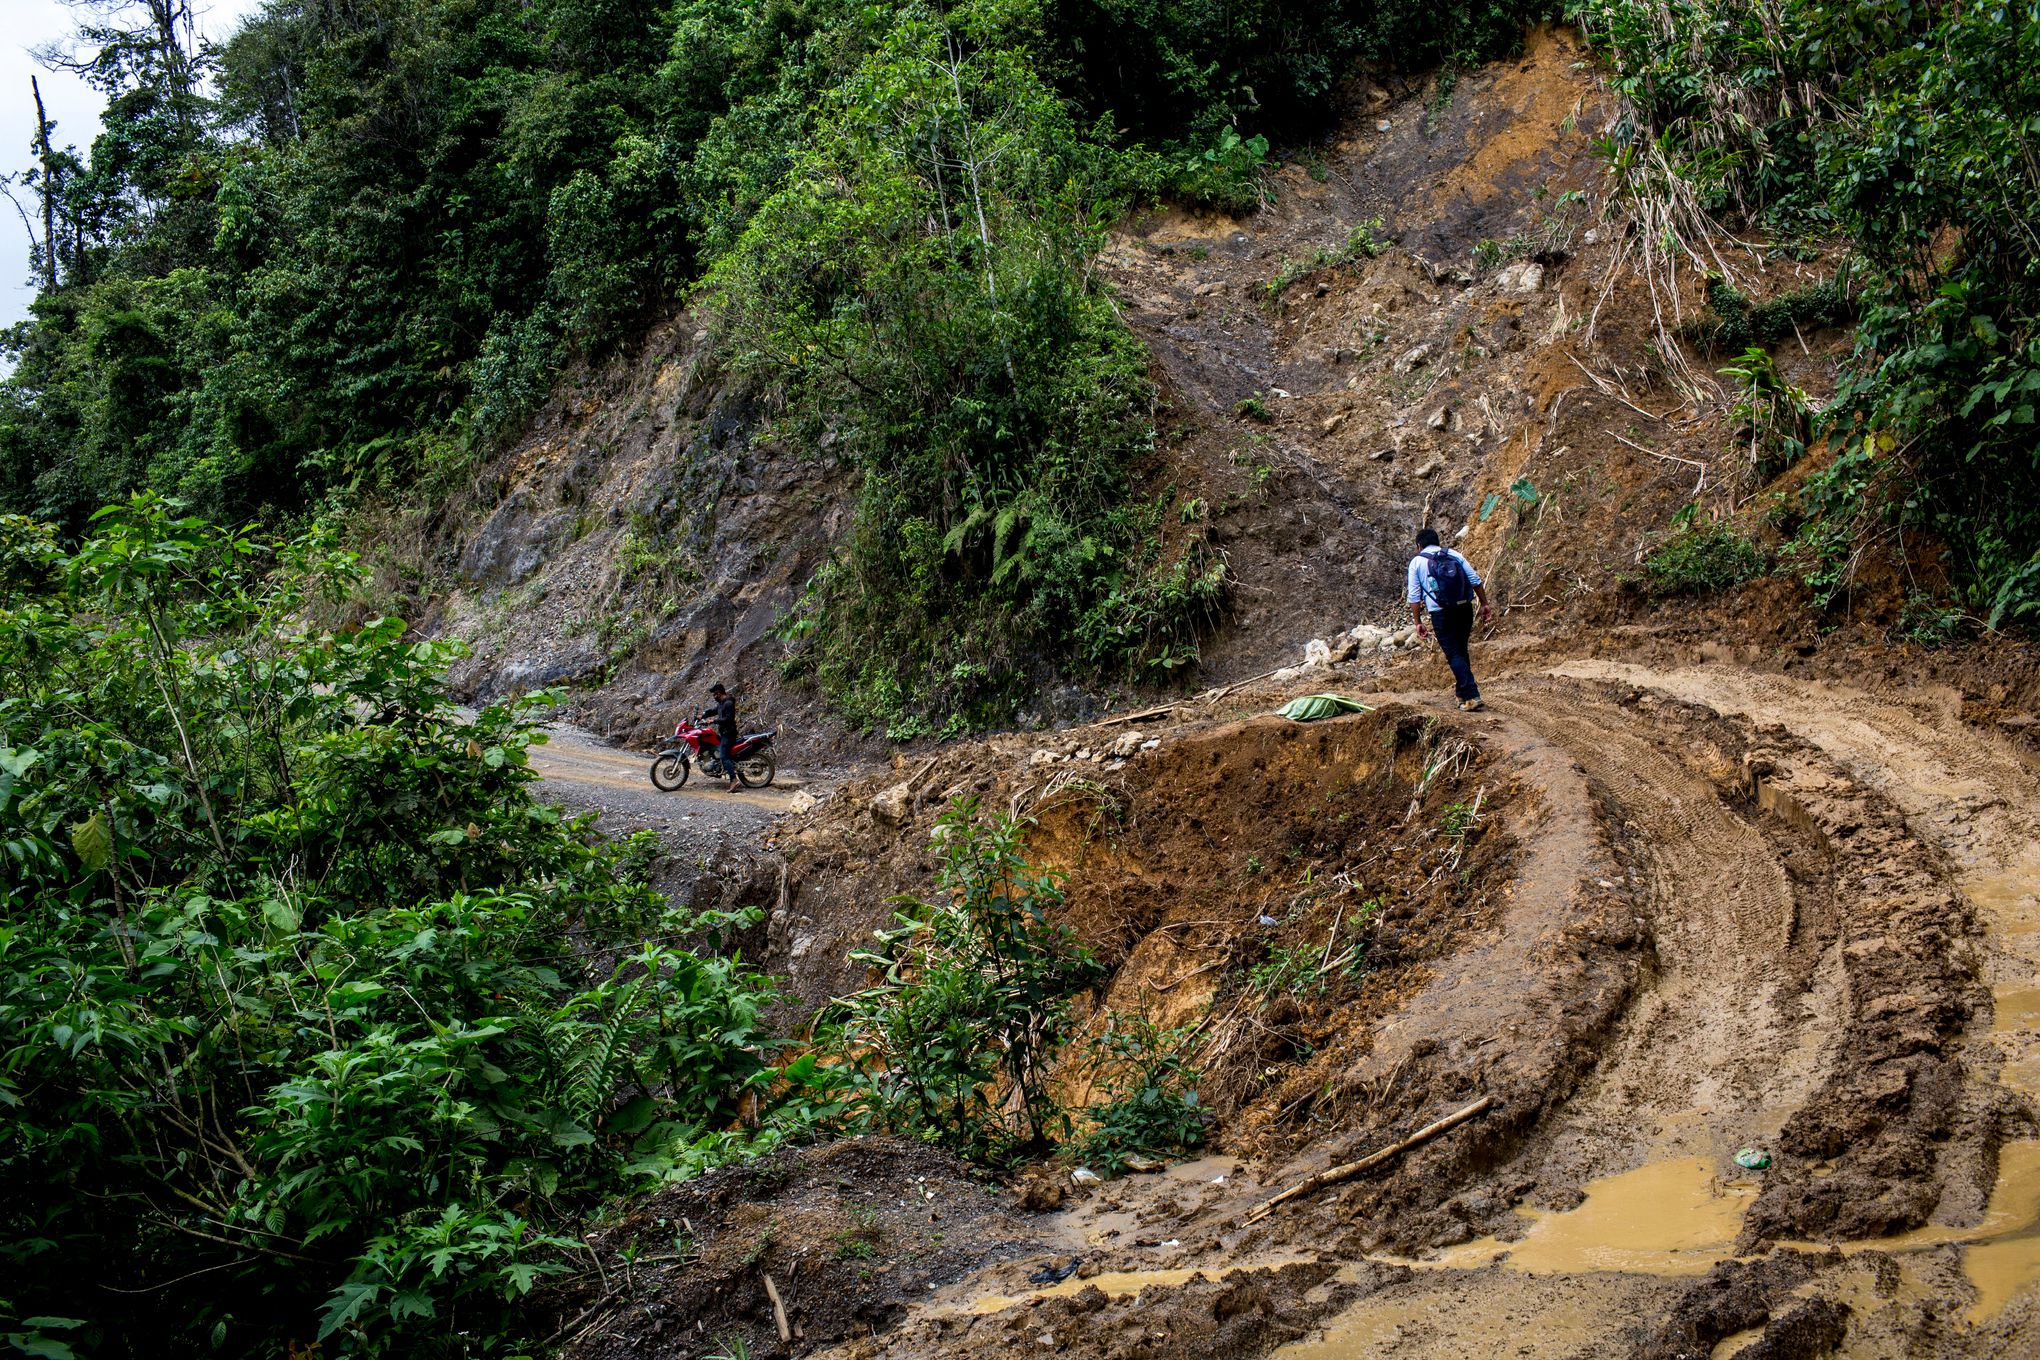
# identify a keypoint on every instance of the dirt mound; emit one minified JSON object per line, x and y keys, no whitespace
{"x":850,"y":1235}
{"x":1246,"y":1312}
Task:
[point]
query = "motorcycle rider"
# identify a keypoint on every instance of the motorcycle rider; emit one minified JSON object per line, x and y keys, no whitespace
{"x":724,"y":706}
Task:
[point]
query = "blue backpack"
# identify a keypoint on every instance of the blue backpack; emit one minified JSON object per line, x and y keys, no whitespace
{"x":1448,"y":578}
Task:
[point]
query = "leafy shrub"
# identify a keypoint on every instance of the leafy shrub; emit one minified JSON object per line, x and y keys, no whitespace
{"x":1150,"y":1107}
{"x":972,"y":1001}
{"x":1927,"y":622}
{"x":1227,"y":174}
{"x":1772,"y":415}
{"x":1702,"y":562}
{"x":1739,"y":324}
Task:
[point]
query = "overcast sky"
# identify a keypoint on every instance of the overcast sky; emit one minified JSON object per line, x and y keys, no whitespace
{"x":72,"y":104}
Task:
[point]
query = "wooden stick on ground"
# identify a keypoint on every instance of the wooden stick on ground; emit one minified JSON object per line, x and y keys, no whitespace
{"x":1347,"y":1171}
{"x":1136,"y":717}
{"x":778,"y":1312}
{"x":1214,"y":695}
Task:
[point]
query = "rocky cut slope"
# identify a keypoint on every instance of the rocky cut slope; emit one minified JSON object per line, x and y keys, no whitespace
{"x":1429,"y":321}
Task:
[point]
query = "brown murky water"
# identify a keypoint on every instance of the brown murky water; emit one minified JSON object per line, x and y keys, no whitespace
{"x":1663,"y":1218}
{"x":2001,"y":1254}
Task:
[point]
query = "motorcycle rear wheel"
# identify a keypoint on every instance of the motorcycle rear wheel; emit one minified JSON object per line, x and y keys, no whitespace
{"x":669,"y":771}
{"x":758,"y":771}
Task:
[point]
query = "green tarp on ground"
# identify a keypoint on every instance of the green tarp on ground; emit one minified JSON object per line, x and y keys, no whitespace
{"x":1311,"y":707}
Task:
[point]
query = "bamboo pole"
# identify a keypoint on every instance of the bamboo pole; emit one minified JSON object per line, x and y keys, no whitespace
{"x":1347,"y":1171}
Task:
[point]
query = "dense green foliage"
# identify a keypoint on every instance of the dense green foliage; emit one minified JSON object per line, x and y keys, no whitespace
{"x":301,"y":994}
{"x":920,"y":288}
{"x":1186,"y":70}
{"x":347,"y":252}
{"x":1910,"y":127}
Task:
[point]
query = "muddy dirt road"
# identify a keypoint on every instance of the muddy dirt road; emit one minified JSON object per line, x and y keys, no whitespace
{"x":593,"y":771}
{"x":1838,"y":968}
{"x":707,"y":832}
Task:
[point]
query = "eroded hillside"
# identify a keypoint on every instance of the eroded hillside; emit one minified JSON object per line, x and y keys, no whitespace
{"x":1707,"y":878}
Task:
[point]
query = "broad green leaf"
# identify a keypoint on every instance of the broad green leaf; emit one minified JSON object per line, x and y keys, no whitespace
{"x":93,"y":841}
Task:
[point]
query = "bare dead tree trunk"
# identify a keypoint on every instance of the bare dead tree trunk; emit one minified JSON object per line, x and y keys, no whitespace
{"x":48,"y":188}
{"x":168,"y":17}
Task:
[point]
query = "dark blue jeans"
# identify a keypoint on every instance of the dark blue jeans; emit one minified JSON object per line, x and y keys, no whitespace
{"x":726,"y":740}
{"x":1454,"y":627}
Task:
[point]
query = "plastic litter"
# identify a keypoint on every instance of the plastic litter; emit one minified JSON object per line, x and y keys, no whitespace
{"x":1752,"y":1159}
{"x":1312,"y":707}
{"x":1084,"y":1175}
{"x":1055,"y":1274}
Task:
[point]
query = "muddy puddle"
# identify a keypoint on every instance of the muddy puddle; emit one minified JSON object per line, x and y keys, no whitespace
{"x":2001,"y":1255}
{"x":1663,"y":1218}
{"x":1112,"y":1283}
{"x":1669,"y":1219}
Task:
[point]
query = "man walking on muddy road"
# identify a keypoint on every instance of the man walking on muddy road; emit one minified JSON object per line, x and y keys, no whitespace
{"x":1444,"y":585}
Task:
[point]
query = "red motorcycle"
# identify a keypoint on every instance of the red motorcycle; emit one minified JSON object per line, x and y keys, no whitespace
{"x":696,"y":742}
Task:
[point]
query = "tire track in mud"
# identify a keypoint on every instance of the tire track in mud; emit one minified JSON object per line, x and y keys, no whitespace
{"x":1967,"y":793}
{"x":1723,"y":1041}
{"x":1782,"y":874}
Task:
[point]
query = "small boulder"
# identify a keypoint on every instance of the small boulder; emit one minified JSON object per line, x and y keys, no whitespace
{"x":1126,"y":745}
{"x":1317,"y":652}
{"x":1038,"y":1193}
{"x":1414,"y":357}
{"x":1524,"y":276}
{"x":1369,"y":636}
{"x":892,"y":805}
{"x":1430,"y":467}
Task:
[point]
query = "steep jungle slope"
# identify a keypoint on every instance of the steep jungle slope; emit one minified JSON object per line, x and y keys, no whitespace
{"x":1708,"y":875}
{"x":1436,"y":318}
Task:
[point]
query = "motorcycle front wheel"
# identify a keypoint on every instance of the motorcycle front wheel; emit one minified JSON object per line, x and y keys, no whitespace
{"x":669,"y":771}
{"x":756,"y":772}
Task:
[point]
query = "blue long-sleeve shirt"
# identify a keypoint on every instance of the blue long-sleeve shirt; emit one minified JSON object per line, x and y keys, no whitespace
{"x":1424,"y":590}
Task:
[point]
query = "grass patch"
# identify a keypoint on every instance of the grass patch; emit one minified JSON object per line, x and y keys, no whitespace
{"x":1703,"y":561}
